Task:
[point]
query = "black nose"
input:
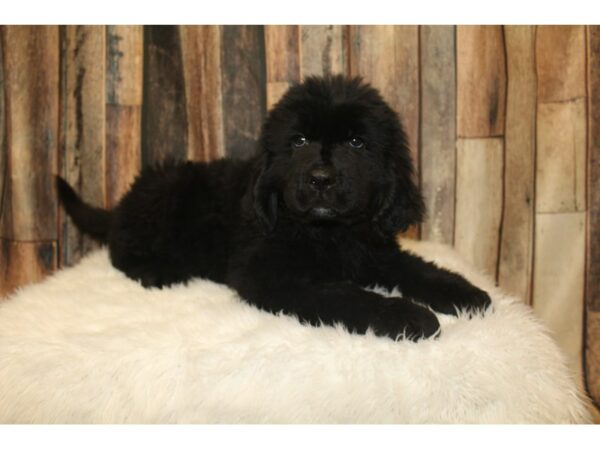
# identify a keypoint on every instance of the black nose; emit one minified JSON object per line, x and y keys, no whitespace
{"x":321,"y":178}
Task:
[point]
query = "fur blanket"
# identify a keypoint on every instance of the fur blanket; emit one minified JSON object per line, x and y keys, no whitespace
{"x":89,"y":345}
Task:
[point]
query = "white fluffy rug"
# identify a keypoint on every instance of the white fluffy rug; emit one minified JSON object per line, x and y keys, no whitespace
{"x":90,"y":346}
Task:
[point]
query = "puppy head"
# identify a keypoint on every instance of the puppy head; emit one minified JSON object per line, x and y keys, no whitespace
{"x":332,"y":151}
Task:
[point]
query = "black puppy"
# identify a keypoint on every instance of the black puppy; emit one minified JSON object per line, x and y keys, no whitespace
{"x":300,"y":228}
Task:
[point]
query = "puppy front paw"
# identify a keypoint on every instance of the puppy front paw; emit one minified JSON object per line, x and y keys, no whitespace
{"x":399,"y":317}
{"x":460,"y":295}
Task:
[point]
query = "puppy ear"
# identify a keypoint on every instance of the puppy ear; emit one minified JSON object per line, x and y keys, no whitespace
{"x":401,"y":205}
{"x":260,"y":201}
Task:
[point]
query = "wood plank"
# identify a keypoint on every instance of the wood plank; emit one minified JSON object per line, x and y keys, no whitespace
{"x":123,"y":144}
{"x":243,"y":75}
{"x":81,"y":161}
{"x":438,"y":131}
{"x":479,"y":201}
{"x":558,"y":280}
{"x":592,"y":354}
{"x":516,"y":242}
{"x":323,"y":50}
{"x":593,"y":174}
{"x":592,"y":349}
{"x":23,"y":263}
{"x":282,"y":49}
{"x":124,"y":64}
{"x":560,"y":159}
{"x":201,"y":52}
{"x":377,"y":53}
{"x":560,"y":59}
{"x":481,"y":81}
{"x":31,"y":85}
{"x":3,"y":153}
{"x":164,"y":121}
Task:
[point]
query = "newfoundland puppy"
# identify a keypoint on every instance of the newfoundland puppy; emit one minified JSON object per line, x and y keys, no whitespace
{"x":301,"y":228}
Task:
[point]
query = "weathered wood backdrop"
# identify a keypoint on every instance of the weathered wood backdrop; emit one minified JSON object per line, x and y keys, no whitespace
{"x":504,"y":123}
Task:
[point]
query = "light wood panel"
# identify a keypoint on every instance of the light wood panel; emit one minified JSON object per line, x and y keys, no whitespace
{"x":516,"y":243}
{"x":31,"y":89}
{"x":200,"y":49}
{"x":558,"y":279}
{"x":479,"y":201}
{"x":323,"y":50}
{"x":560,"y":58}
{"x":560,"y":159}
{"x":481,"y":79}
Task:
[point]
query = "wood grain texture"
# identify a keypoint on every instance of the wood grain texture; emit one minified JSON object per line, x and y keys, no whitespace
{"x":560,"y":60}
{"x":516,"y":242}
{"x":560,"y":158}
{"x":31,"y":86}
{"x":592,"y":355}
{"x":200,"y":49}
{"x":481,"y":81}
{"x":479,"y":201}
{"x":22,"y":263}
{"x":243,"y":75}
{"x":124,"y":64}
{"x":592,"y":348}
{"x":3,"y":153}
{"x":81,"y":160}
{"x":438,"y":131}
{"x":123,"y":145}
{"x":593,"y":173}
{"x":388,"y":58}
{"x":282,"y":47}
{"x":323,"y":50}
{"x":558,"y":280}
{"x":164,"y":120}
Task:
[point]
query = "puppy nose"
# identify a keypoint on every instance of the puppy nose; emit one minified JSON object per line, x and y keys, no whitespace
{"x":321,"y":178}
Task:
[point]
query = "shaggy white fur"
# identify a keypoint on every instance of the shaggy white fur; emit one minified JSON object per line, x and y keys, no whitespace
{"x":89,"y":345}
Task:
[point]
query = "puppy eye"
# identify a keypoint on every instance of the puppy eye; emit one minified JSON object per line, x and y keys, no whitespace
{"x":356,"y":142}
{"x":299,"y":141}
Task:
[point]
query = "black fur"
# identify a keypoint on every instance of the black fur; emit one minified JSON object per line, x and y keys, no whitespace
{"x":300,"y":228}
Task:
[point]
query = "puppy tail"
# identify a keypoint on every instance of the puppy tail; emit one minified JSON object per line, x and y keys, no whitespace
{"x":92,"y":221}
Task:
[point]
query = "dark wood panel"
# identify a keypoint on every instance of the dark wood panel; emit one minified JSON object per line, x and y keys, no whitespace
{"x":23,"y":263}
{"x":81,"y":159}
{"x":593,"y":175}
{"x":243,"y":74}
{"x":282,"y":44}
{"x":592,"y":350}
{"x":438,"y":131}
{"x":123,"y":150}
{"x":164,"y":120}
{"x":31,"y":86}
{"x":124,"y":63}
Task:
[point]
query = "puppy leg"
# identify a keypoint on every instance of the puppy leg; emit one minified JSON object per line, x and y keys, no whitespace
{"x":442,"y":290}
{"x":340,"y":302}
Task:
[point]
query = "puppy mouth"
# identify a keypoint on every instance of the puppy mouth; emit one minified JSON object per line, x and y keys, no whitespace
{"x":322,"y":212}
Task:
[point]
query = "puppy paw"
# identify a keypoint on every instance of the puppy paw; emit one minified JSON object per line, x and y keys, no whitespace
{"x":398,"y":317}
{"x":460,"y":295}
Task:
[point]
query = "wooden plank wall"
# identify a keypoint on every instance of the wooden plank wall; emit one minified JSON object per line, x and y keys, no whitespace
{"x":503,"y":123}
